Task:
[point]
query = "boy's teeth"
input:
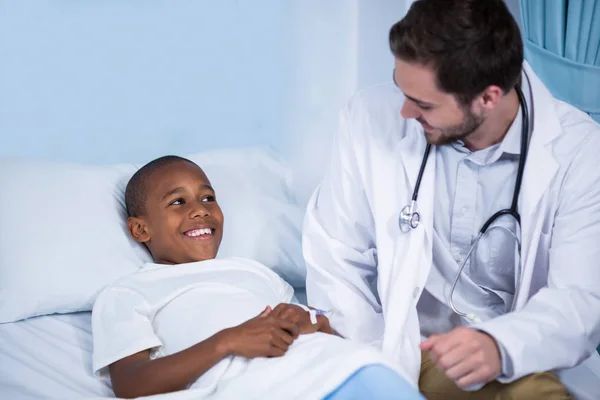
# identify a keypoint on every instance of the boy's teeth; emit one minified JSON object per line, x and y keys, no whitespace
{"x":198,"y":232}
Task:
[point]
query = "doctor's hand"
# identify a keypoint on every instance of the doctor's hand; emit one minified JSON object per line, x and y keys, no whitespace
{"x":301,"y":317}
{"x":466,"y":356}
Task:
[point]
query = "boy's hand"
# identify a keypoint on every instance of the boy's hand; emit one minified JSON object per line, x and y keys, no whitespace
{"x":261,"y":336}
{"x":301,"y":317}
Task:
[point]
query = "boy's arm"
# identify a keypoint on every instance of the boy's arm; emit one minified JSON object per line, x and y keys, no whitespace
{"x":138,"y":375}
{"x":300,"y":315}
{"x":262,"y":336}
{"x":325,"y":326}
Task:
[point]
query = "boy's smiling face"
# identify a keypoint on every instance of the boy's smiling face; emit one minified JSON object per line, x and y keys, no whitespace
{"x":182,"y":221}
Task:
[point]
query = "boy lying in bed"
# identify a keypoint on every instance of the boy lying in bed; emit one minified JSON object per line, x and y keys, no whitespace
{"x":221,"y":328}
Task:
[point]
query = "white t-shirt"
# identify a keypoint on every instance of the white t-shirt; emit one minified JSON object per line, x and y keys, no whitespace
{"x":168,"y":308}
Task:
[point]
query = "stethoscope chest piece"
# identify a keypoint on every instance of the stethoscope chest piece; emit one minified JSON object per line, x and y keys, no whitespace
{"x":409,"y":218}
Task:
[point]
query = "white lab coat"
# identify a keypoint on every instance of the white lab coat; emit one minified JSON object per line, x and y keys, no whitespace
{"x":352,"y":242}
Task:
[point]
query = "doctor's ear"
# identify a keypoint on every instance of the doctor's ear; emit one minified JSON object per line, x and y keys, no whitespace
{"x":490,"y":97}
{"x":138,"y":229}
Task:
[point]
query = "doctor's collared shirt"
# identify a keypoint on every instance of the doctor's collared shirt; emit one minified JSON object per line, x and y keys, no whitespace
{"x":470,"y":188}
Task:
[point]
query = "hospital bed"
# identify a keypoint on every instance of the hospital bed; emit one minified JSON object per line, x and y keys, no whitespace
{"x":45,"y":350}
{"x":49,"y":357}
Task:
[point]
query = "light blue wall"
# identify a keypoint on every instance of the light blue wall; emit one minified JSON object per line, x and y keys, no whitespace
{"x":342,"y":46}
{"x":127,"y":80}
{"x":105,"y":81}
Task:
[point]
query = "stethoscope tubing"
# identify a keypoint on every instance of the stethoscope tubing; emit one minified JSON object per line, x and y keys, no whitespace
{"x":409,"y":214}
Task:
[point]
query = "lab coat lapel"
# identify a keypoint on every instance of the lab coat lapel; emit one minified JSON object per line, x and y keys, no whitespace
{"x":410,"y":154}
{"x":402,"y":282}
{"x":540,"y":168}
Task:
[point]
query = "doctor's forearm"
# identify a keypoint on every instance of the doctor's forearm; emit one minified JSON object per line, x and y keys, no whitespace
{"x":557,"y":329}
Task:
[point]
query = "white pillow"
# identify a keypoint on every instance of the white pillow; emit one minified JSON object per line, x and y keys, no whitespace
{"x":63,"y":236}
{"x":262,"y":220}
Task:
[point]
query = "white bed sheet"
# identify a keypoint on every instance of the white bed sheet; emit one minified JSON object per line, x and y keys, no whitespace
{"x":51,"y":357}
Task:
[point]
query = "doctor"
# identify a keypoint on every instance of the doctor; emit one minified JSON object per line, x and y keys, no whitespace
{"x":466,"y":130}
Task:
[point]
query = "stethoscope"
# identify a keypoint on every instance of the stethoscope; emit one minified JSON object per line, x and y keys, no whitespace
{"x":410,"y":217}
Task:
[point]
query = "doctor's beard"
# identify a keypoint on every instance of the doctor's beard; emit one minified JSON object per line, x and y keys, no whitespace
{"x":447,"y":135}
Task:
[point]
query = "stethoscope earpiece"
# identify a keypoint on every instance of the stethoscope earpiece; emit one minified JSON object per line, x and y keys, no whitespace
{"x":473,"y":318}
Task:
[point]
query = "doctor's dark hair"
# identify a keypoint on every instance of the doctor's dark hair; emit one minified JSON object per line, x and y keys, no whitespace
{"x":470,"y":44}
{"x":136,"y":190}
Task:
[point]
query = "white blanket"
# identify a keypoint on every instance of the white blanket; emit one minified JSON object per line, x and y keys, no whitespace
{"x":169,"y":308}
{"x":313,"y":367}
{"x":50,"y":357}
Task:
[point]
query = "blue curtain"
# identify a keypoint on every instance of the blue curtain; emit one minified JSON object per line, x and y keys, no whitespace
{"x":562,"y":45}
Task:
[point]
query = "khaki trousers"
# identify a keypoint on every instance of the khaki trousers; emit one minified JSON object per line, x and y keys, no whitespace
{"x":434,"y":385}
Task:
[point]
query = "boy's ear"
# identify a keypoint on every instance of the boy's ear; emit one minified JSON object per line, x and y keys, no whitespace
{"x":138,"y":229}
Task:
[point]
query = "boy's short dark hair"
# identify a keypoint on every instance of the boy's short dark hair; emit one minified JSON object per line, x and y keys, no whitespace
{"x":471,"y":44}
{"x":136,"y":193}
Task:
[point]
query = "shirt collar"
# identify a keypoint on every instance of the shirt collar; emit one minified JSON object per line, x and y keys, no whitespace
{"x":511,"y":144}
{"x":512,"y":141}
